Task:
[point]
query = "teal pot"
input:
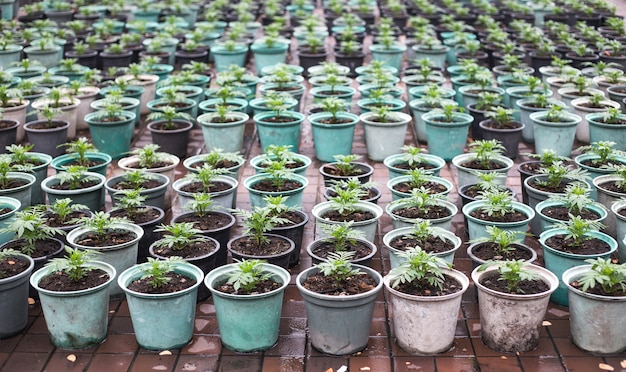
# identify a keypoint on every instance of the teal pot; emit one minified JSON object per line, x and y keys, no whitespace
{"x":40,"y":171}
{"x":7,"y":218}
{"x":426,"y":325}
{"x":147,"y":15}
{"x":339,"y":325}
{"x":396,"y":255}
{"x":601,"y":131}
{"x":168,"y":46}
{"x":511,"y":323}
{"x":257,"y":196}
{"x":11,"y":54}
{"x":470,"y":93}
{"x":365,"y":260}
{"x":47,"y":140}
{"x":295,"y":90}
{"x":477,"y":261}
{"x":396,"y":181}
{"x":190,"y":91}
{"x":149,"y":235}
{"x":431,"y":163}
{"x":384,"y":138}
{"x":547,"y":222}
{"x":420,"y":106}
{"x":14,"y":299}
{"x":593,"y":172}
{"x":578,"y":104}
{"x":120,"y":256}
{"x":221,"y":233}
{"x":22,"y":192}
{"x":294,"y":232}
{"x":233,"y":104}
{"x":607,"y":198}
{"x":332,"y":139}
{"x":617,"y":93}
{"x":617,"y":208}
{"x":525,"y":109}
{"x":185,"y":106}
{"x":413,"y":79}
{"x":148,"y":83}
{"x":373,"y":195}
{"x":227,"y":136}
{"x":162,"y":321}
{"x":446,"y":140}
{"x":223,"y":57}
{"x":596,"y":321}
{"x":128,"y":103}
{"x":558,"y":262}
{"x":477,"y":227}
{"x":48,"y":57}
{"x":193,"y":162}
{"x":171,"y":162}
{"x":556,"y":136}
{"x":248,"y":323}
{"x":367,"y":70}
{"x":61,"y":162}
{"x":420,"y":92}
{"x":366,"y":88}
{"x":467,"y":176}
{"x":514,"y":94}
{"x":398,"y":221}
{"x":509,"y":137}
{"x":343,"y":93}
{"x":162,"y":70}
{"x":77,"y":319}
{"x":112,"y":138}
{"x":258,"y":105}
{"x":155,"y":197}
{"x":279,"y":133}
{"x":33,"y":70}
{"x":320,"y":79}
{"x":224,"y":199}
{"x":281,"y":259}
{"x":7,"y":9}
{"x":568,"y":94}
{"x":51,"y":81}
{"x":173,"y":141}
{"x":368,"y":227}
{"x":436,"y":54}
{"x":535,"y":196}
{"x":365,"y":171}
{"x":392,"y":56}
{"x":369,"y":104}
{"x":92,"y":196}
{"x":269,"y":56}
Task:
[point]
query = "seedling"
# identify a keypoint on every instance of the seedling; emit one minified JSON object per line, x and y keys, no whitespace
{"x":420,"y":269}
{"x":512,"y":272}
{"x":345,"y":164}
{"x":74,"y":176}
{"x":205,"y":175}
{"x":578,"y":229}
{"x":80,"y":147}
{"x":504,"y":239}
{"x":259,"y":221}
{"x":609,"y":276}
{"x":29,"y":225}
{"x":179,"y":236}
{"x":342,"y":235}
{"x":338,"y":266}
{"x":156,"y":270}
{"x":75,"y":264}
{"x":248,"y":275}
{"x":486,"y":151}
{"x":63,"y":208}
{"x":496,"y":203}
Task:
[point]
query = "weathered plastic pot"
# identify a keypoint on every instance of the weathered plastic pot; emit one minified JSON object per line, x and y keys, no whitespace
{"x":467,"y":176}
{"x":332,"y":139}
{"x":14,"y":300}
{"x":620,"y":228}
{"x":257,"y":196}
{"x":446,"y":139}
{"x":426,"y":324}
{"x":365,"y":260}
{"x":600,"y":131}
{"x":258,"y":160}
{"x":368,"y":227}
{"x":392,"y":160}
{"x":477,"y":227}
{"x":23,"y":192}
{"x":339,"y":325}
{"x":547,"y":222}
{"x":558,"y":262}
{"x":271,"y":133}
{"x":78,"y":319}
{"x":596,"y":321}
{"x":607,"y":198}
{"x":555,"y":136}
{"x":47,"y":140}
{"x":223,"y":198}
{"x":92,"y":197}
{"x":395,"y":194}
{"x":162,"y":321}
{"x":225,"y":136}
{"x":6,"y":219}
{"x":154,"y":197}
{"x":248,"y":322}
{"x":395,"y":255}
{"x":120,"y":256}
{"x":384,"y":138}
{"x":511,"y":322}
{"x":443,"y":222}
{"x":59,"y":163}
{"x":112,"y":138}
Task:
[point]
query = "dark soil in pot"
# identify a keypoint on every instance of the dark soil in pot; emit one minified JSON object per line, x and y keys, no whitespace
{"x":199,"y":187}
{"x":506,"y":217}
{"x":351,"y":286}
{"x":360,"y":249}
{"x":430,"y":213}
{"x":356,"y":216}
{"x":423,"y":288}
{"x":12,"y":265}
{"x":587,"y":247}
{"x":112,"y":237}
{"x":562,"y":213}
{"x":270,"y":186}
{"x":495,"y":282}
{"x":432,"y":187}
{"x":431,"y":244}
{"x":491,"y":251}
{"x":59,"y":281}
{"x":176,"y":283}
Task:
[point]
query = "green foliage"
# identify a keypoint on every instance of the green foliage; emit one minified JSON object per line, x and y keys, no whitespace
{"x":578,"y":228}
{"x":504,"y":239}
{"x":512,"y":272}
{"x":609,"y":276}
{"x":80,"y":147}
{"x":101,"y":222}
{"x":76,"y":263}
{"x":179,"y":235}
{"x":206,"y":175}
{"x":576,"y":198}
{"x":486,"y":151}
{"x":248,"y":274}
{"x":258,"y":222}
{"x":497,"y":203}
{"x":419,"y":177}
{"x":65,"y":207}
{"x":345,"y":163}
{"x":558,"y":172}
{"x":157,"y":270}
{"x":342,"y":235}
{"x":421,"y":199}
{"x":30,"y":225}
{"x":604,"y":150}
{"x":338,"y":266}
{"x":148,"y":155}
{"x":419,"y":268}
{"x":74,"y":176}
{"x":201,"y":204}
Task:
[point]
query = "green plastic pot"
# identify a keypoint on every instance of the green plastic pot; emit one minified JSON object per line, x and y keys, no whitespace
{"x":59,"y":163}
{"x":224,"y":199}
{"x":225,"y":136}
{"x":446,"y":139}
{"x":477,"y":227}
{"x":112,"y":138}
{"x":224,"y":58}
{"x":601,"y":131}
{"x":339,"y":325}
{"x":154,"y":197}
{"x":40,"y":172}
{"x":391,"y":161}
{"x":14,"y":300}
{"x":257,"y":196}
{"x":248,"y":323}
{"x":279,"y":133}
{"x":92,"y":197}
{"x":392,"y":56}
{"x":269,"y":56}
{"x":556,"y":136}
{"x":332,"y":139}
{"x":558,"y":262}
{"x":8,"y":218}
{"x":23,"y":192}
{"x":162,"y":321}
{"x":78,"y":319}
{"x":395,"y":255}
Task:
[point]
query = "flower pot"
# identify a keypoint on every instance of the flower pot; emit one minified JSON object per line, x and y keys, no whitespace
{"x":392,"y":56}
{"x":435,"y":162}
{"x":365,"y":260}
{"x":511,"y":322}
{"x":256,"y":196}
{"x":582,"y":130}
{"x":248,"y":323}
{"x":426,"y":324}
{"x":23,"y":192}
{"x":154,"y":197}
{"x":420,"y":106}
{"x":607,"y":198}
{"x":172,"y":141}
{"x":558,"y":262}
{"x":268,"y":56}
{"x":279,"y":133}
{"x":162,"y":321}
{"x":384,"y":138}
{"x":112,"y":137}
{"x":476,"y":226}
{"x":547,"y":221}
{"x":258,"y":160}
{"x":197,"y":160}
{"x":68,"y":113}
{"x":7,"y":219}
{"x":368,"y":227}
{"x":477,"y":261}
{"x":332,"y":139}
{"x":14,"y":299}
{"x":223,"y":198}
{"x":466,"y":176}
{"x":227,"y":136}
{"x":8,"y":135}
{"x":281,"y":259}
{"x":595,"y":320}
{"x":78,"y":319}
{"x":395,"y":255}
{"x":525,"y":109}
{"x":510,"y":138}
{"x":446,"y":139}
{"x":552,"y":135}
{"x":294,"y":232}
{"x":339,"y":325}
{"x":92,"y":196}
{"x":18,"y":113}
{"x":601,"y":131}
{"x":120,"y":256}
{"x":130,"y":102}
{"x":620,"y":227}
{"x":60,"y":162}
{"x":47,"y":140}
{"x":149,"y":235}
{"x":445,"y":223}
{"x":365,"y":169}
{"x":223,"y":57}
{"x":148,"y":83}
{"x":396,"y":194}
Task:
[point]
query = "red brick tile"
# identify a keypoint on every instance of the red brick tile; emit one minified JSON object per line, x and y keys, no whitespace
{"x":583,"y":363}
{"x":376,"y":347}
{"x":18,"y":361}
{"x":59,"y":362}
{"x":153,"y":362}
{"x":565,"y":347}
{"x":290,"y":364}
{"x":249,"y":363}
{"x":323,"y":363}
{"x":203,"y":345}
{"x":7,"y":345}
{"x":110,"y":362}
{"x":35,"y":343}
{"x":374,"y":364}
{"x":38,"y":326}
{"x":545,"y":348}
{"x":289,"y":347}
{"x":118,"y":344}
{"x":414,"y":363}
{"x":121,"y":325}
{"x":560,"y":328}
{"x":482,"y":350}
{"x":292,"y":326}
{"x":499,"y":364}
{"x":543,"y":364}
{"x":456,"y":364}
{"x":197,"y":363}
{"x":206,"y":325}
{"x":460,"y":347}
